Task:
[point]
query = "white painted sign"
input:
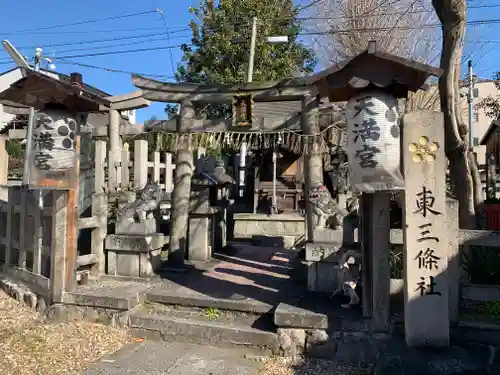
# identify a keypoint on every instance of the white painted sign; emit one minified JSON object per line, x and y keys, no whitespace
{"x":54,"y":139}
{"x":374,"y":142}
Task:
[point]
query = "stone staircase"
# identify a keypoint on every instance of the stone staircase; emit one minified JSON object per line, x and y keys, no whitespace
{"x":209,"y":326}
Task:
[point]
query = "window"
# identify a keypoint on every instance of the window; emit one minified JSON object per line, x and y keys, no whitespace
{"x":475,"y":141}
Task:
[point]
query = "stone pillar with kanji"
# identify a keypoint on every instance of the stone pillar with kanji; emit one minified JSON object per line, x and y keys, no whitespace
{"x":425,"y":234}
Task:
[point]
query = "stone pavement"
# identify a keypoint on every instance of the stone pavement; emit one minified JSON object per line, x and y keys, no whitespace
{"x":162,"y":358}
{"x":170,"y":358}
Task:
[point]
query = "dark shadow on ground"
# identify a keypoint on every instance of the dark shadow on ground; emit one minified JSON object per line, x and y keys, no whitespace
{"x":261,"y":274}
{"x":369,"y":353}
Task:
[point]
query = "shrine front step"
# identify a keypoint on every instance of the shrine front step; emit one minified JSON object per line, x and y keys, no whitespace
{"x":198,"y":300}
{"x":205,"y":326}
{"x":288,"y":227}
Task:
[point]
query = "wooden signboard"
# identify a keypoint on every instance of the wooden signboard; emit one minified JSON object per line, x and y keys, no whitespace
{"x":242,"y":110}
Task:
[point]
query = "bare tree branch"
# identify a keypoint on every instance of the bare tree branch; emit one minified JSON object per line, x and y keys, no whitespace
{"x":393,"y":24}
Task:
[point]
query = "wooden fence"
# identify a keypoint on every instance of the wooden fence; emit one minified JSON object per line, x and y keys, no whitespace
{"x":32,"y":240}
{"x":134,"y":170}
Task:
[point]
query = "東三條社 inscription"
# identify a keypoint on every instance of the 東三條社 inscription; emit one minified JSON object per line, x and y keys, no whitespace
{"x":425,"y":237}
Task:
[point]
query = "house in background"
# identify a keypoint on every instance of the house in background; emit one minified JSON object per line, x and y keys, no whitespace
{"x":9,"y":77}
{"x":480,"y":122}
{"x":13,"y":125}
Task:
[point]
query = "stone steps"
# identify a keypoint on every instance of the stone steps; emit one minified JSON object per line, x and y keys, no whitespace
{"x":205,"y":326}
{"x":204,"y":301}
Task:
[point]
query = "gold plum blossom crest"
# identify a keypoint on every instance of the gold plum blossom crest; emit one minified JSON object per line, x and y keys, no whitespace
{"x":423,"y":150}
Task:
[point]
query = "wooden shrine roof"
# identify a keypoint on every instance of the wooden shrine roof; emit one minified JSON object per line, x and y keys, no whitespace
{"x":36,"y":89}
{"x":495,"y":124}
{"x":338,"y":83}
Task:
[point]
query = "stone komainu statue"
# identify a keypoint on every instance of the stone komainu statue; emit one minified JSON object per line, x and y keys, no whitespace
{"x":142,"y":208}
{"x":324,"y":207}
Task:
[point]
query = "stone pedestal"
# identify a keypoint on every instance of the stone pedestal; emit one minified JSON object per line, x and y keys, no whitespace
{"x":322,"y":256}
{"x":200,"y":238}
{"x":134,"y":255}
{"x":200,"y":231}
{"x":322,"y":268}
{"x":130,"y":227}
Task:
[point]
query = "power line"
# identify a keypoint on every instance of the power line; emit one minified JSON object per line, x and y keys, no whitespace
{"x":99,"y":40}
{"x":331,"y":32}
{"x":311,"y":4}
{"x":183,"y":28}
{"x":88,"y":21}
{"x":387,"y":14}
{"x":348,"y":31}
{"x":168,"y":37}
{"x":93,"y":31}
{"x":69,"y":62}
{"x":150,"y":40}
{"x":115,"y":52}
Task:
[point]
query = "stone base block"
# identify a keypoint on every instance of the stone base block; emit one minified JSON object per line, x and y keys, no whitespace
{"x":292,"y":341}
{"x":322,"y":277}
{"x":131,"y":228}
{"x":295,"y":317}
{"x":134,"y":256}
{"x":290,"y":227}
{"x":134,"y":243}
{"x":325,"y":252}
{"x":344,"y":235}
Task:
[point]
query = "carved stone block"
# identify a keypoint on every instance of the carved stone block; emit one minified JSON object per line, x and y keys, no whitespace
{"x":133,"y":256}
{"x":138,"y":244}
{"x":325,"y":252}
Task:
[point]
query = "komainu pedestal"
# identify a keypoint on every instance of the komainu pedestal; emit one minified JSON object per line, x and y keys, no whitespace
{"x":134,"y":250}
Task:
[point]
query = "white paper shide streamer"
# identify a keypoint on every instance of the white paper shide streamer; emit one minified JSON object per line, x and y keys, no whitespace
{"x":374,"y":142}
{"x":54,"y":137}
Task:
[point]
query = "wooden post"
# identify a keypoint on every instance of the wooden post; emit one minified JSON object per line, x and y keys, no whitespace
{"x":169,"y":169}
{"x":491,"y":181}
{"x":58,"y":244}
{"x":37,"y":236}
{"x":125,"y":165}
{"x":182,"y":190}
{"x":100,"y":161}
{"x":156,"y":167}
{"x":375,"y":240}
{"x":99,"y":208}
{"x":4,"y":162}
{"x":140,"y":163}
{"x":21,"y":260}
{"x":10,"y":219}
{"x":312,"y":158}
{"x":114,"y":148}
{"x":72,"y":223}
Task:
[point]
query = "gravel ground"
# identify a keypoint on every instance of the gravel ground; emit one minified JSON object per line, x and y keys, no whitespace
{"x":301,"y":366}
{"x":30,"y":345}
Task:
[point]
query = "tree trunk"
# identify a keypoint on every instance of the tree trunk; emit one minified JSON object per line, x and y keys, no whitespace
{"x":452,"y":14}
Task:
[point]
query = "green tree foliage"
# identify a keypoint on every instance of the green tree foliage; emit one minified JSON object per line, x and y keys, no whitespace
{"x":14,"y":148}
{"x":491,"y":104}
{"x":214,"y":57}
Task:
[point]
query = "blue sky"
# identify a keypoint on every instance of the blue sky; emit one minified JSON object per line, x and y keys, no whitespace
{"x":31,"y":15}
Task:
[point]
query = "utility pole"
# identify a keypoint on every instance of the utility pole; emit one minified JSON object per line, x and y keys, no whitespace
{"x":253,"y":40}
{"x":31,"y":125}
{"x":469,"y":100}
{"x":243,"y":150}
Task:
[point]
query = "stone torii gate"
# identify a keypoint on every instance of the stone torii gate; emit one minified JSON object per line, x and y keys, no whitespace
{"x":367,"y":72}
{"x":297,"y":89}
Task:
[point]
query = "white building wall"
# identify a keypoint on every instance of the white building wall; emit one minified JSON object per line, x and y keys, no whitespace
{"x":6,"y":80}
